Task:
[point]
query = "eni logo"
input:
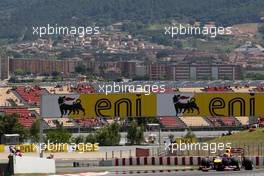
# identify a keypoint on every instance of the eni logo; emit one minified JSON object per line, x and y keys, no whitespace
{"x":68,"y":109}
{"x":118,"y":107}
{"x":218,"y":104}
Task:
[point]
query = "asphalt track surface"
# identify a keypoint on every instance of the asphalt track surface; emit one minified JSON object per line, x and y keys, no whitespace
{"x":255,"y":172}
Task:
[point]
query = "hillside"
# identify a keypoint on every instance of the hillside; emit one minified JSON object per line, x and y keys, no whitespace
{"x":17,"y":16}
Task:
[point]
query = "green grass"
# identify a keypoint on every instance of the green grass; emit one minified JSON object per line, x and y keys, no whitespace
{"x":155,"y":27}
{"x":244,"y":137}
{"x":251,"y":142}
{"x":210,"y":45}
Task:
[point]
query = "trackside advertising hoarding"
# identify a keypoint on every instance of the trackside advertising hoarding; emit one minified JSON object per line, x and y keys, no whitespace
{"x":98,"y":105}
{"x":141,"y":105}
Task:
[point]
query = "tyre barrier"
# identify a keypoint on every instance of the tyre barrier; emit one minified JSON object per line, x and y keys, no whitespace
{"x":171,"y":161}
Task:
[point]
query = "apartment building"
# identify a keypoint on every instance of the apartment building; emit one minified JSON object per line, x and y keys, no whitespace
{"x":193,"y":71}
{"x":4,"y":67}
{"x":43,"y":66}
{"x":159,"y":71}
{"x":128,"y":68}
{"x":205,"y":72}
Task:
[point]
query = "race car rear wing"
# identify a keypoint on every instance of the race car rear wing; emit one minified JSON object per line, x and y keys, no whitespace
{"x":237,"y":151}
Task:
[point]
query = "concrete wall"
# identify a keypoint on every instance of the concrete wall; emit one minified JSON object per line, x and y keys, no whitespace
{"x":32,"y":165}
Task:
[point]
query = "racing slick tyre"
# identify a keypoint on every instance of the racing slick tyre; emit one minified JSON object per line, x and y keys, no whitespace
{"x":219,"y":166}
{"x":205,"y":162}
{"x":236,"y":162}
{"x":248,"y":164}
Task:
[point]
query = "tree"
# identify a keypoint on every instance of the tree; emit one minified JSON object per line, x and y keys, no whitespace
{"x":9,"y":125}
{"x":27,"y":13}
{"x":261,"y":29}
{"x":81,"y":69}
{"x":55,"y":74}
{"x":135,"y":133}
{"x":140,"y":78}
{"x":171,"y":137}
{"x":19,"y":71}
{"x":78,"y":139}
{"x":59,"y":135}
{"x":255,"y":76}
{"x":13,"y":79}
{"x":34,"y":131}
{"x":190,"y":137}
{"x":91,"y":138}
{"x":109,"y":135}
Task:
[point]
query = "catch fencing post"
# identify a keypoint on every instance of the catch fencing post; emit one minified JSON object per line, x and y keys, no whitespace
{"x":40,"y":119}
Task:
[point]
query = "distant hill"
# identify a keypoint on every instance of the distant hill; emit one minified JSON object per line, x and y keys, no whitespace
{"x":16,"y":16}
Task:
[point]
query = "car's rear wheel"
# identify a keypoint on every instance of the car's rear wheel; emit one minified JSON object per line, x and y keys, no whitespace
{"x":248,"y":164}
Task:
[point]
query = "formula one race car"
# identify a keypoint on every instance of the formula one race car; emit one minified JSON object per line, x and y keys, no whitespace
{"x":233,"y":159}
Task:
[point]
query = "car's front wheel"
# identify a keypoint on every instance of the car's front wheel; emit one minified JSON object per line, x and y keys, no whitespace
{"x":219,"y":166}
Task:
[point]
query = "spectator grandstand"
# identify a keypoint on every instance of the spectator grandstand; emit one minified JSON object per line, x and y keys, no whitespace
{"x":52,"y":123}
{"x":31,"y":95}
{"x":242,"y":89}
{"x":224,"y":121}
{"x":83,"y":88}
{"x":244,"y":120}
{"x":58,"y":89}
{"x":88,"y":122}
{"x":35,"y":109}
{"x":258,"y":89}
{"x":261,"y":122}
{"x":8,"y":98}
{"x":168,"y":90}
{"x":195,"y":121}
{"x":25,"y":117}
{"x":190,"y":89}
{"x":171,"y":122}
{"x":218,"y":89}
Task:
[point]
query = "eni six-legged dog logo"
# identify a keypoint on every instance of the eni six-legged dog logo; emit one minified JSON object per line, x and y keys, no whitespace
{"x":70,"y":109}
{"x":188,"y":106}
